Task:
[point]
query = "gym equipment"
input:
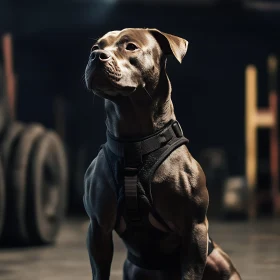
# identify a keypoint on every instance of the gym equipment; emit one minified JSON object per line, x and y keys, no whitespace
{"x":36,"y":168}
{"x":33,"y":200}
{"x":4,"y":112}
{"x":8,"y":143}
{"x":7,"y":149}
{"x":2,"y":199}
{"x":17,"y":179}
{"x":46,"y":188}
{"x":10,"y":83}
{"x":16,"y":150}
{"x":235,"y":198}
{"x":255,"y":119}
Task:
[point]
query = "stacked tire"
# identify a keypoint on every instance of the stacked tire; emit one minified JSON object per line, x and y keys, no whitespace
{"x":2,"y":199}
{"x":33,"y":197}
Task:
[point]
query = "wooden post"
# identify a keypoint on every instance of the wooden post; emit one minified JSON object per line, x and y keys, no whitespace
{"x":274,"y":138}
{"x":251,"y":137}
{"x":261,"y":118}
{"x":9,"y":73}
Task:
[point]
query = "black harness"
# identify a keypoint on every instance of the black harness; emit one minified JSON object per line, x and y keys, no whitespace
{"x":133,"y":164}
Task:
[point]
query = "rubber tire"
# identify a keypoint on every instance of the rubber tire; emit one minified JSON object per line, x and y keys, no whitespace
{"x":48,"y":153}
{"x":2,"y":199}
{"x":5,"y":118}
{"x":5,"y":114}
{"x":17,"y":175}
{"x":9,"y":141}
{"x":8,"y":144}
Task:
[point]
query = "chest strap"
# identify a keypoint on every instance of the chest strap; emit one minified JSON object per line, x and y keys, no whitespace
{"x":133,"y":151}
{"x":139,"y":147}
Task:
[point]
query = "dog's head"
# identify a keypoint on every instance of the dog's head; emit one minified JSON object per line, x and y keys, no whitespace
{"x":123,"y":61}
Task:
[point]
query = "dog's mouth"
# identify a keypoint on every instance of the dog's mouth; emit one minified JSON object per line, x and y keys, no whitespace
{"x":112,"y":71}
{"x":107,"y":81}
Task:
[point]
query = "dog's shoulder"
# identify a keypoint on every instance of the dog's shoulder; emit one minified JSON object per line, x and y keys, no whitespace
{"x":182,"y":170}
{"x":100,"y":200}
{"x":179,"y":184}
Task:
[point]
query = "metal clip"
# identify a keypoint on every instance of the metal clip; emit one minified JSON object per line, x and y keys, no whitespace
{"x":177,"y":129}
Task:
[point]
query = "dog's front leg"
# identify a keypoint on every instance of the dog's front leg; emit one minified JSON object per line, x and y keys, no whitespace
{"x":195,"y":230}
{"x":194,"y":251}
{"x":100,"y":249}
{"x":101,"y":206}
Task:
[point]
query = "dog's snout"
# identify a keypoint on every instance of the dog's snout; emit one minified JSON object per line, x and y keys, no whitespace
{"x":104,"y":56}
{"x":92,"y":55}
{"x":101,"y":55}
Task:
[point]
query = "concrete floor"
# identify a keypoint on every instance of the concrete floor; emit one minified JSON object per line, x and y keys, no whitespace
{"x":254,"y":249}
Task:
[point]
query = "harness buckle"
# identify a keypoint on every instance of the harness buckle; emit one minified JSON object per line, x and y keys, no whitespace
{"x":130,"y":171}
{"x":131,"y":193}
{"x":177,"y":129}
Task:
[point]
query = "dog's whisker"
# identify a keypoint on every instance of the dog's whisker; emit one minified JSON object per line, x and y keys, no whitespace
{"x":148,"y":93}
{"x":83,"y":78}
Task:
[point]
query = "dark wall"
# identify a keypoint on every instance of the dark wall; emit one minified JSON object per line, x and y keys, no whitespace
{"x":208,"y":88}
{"x":6,"y":16}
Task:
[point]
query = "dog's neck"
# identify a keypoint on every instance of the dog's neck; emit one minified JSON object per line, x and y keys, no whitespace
{"x":140,"y":114}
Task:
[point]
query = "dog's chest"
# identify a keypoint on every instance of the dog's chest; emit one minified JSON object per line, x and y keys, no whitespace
{"x":144,"y":177}
{"x":148,"y":237}
{"x":151,"y":226}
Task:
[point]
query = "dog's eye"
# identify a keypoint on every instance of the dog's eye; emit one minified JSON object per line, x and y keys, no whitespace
{"x":131,"y":47}
{"x":94,"y":48}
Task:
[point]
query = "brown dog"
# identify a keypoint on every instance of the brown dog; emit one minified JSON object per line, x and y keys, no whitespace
{"x":144,"y":183}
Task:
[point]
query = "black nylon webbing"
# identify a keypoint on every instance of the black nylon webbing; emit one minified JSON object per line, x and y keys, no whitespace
{"x":132,"y":149}
{"x":147,"y":172}
{"x":154,"y":149}
{"x":130,"y":191}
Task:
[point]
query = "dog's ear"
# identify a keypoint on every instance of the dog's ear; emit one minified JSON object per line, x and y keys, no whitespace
{"x":171,"y":44}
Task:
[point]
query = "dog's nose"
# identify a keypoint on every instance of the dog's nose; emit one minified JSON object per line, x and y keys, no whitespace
{"x":102,"y":55}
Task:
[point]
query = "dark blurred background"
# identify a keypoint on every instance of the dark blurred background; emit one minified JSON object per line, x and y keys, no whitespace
{"x":50,"y":46}
{"x":51,"y":43}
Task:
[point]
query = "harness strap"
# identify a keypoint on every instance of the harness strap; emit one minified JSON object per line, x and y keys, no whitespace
{"x":160,"y":219}
{"x":130,"y":192}
{"x":135,"y":149}
{"x":159,"y":157}
{"x":133,"y":152}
